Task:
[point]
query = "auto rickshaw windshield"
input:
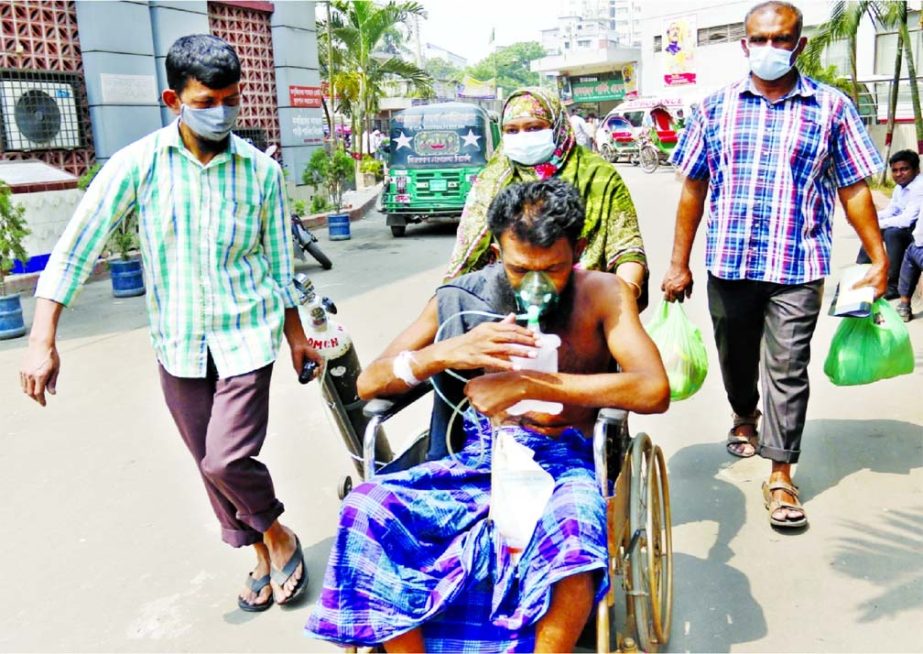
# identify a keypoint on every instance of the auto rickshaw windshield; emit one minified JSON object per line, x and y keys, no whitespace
{"x":446,"y":136}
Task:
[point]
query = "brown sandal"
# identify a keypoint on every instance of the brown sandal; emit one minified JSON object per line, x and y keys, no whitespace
{"x":734,"y":439}
{"x":773,"y":505}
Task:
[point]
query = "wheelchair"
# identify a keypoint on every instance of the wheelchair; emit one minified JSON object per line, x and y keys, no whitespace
{"x":632,"y":476}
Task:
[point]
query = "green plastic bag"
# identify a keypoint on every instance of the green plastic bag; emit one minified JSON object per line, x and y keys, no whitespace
{"x":865,"y":350}
{"x":681,"y":348}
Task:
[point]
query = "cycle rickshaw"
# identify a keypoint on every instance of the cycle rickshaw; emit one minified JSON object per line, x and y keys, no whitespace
{"x":618,"y":142}
{"x":658,"y":142}
{"x":631,"y":474}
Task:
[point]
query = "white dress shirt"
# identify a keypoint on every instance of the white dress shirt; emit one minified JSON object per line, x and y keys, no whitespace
{"x":905,"y":205}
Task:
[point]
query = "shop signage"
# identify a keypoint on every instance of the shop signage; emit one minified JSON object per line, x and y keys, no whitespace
{"x":584,"y":90}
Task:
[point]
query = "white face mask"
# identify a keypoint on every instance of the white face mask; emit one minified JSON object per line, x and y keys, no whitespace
{"x":529,"y":148}
{"x":769,"y":63}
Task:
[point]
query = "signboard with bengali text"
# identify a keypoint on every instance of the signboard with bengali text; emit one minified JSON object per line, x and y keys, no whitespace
{"x":305,"y":97}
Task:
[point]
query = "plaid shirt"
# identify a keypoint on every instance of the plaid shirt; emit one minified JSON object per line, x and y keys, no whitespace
{"x":773,"y":170}
{"x":215,"y":243}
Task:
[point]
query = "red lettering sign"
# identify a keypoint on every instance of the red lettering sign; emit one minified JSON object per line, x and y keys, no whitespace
{"x":305,"y":97}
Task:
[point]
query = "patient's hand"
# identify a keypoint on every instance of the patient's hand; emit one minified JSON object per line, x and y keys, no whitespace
{"x":489,"y":345}
{"x":493,"y":394}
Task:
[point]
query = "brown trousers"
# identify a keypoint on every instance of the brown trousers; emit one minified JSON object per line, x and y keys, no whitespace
{"x":223,"y":423}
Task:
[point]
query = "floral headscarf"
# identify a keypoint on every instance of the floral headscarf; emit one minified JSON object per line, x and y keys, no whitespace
{"x":534,"y":102}
{"x":611,"y":225}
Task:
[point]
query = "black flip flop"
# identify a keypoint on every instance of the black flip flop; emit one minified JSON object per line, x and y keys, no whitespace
{"x":255,"y":585}
{"x":280,"y":577}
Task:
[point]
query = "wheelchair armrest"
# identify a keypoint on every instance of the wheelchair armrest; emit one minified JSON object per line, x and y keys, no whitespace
{"x":612,"y":416}
{"x":383,"y":409}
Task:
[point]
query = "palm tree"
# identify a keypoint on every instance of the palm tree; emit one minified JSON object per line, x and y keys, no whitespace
{"x":361,"y":30}
{"x":843,"y":24}
{"x":895,"y":13}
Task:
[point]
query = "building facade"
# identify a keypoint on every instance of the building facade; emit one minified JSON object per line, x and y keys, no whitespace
{"x":81,"y":80}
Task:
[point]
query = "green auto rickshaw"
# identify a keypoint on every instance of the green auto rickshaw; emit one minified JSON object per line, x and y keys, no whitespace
{"x":435,"y":153}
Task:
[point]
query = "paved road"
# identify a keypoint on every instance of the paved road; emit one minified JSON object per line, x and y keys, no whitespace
{"x":110,"y":543}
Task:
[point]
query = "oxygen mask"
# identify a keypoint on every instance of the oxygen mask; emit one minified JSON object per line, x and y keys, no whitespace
{"x":536,"y":297}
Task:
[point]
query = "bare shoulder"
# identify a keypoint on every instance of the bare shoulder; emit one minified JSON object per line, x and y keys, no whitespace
{"x":605,"y":293}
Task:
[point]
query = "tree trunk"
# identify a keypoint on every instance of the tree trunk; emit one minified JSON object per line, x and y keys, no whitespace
{"x":892,"y":103}
{"x":914,"y":89}
{"x":330,"y":116}
{"x":853,"y":76}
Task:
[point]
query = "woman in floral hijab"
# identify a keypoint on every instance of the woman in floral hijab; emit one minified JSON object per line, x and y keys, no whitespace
{"x":611,"y":228}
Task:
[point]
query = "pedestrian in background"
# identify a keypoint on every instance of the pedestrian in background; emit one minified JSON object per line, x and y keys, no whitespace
{"x":898,"y":219}
{"x":581,"y":129}
{"x":217,"y":253}
{"x":772,"y":152}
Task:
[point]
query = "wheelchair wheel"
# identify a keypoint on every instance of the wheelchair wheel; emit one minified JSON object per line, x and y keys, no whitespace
{"x":344,"y":487}
{"x":650,"y":554}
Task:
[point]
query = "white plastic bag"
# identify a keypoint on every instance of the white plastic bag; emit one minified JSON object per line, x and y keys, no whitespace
{"x":520,"y":490}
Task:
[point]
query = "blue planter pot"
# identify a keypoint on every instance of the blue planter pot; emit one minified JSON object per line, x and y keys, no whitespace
{"x":338,"y":227}
{"x":127,"y":277}
{"x":11,"y":322}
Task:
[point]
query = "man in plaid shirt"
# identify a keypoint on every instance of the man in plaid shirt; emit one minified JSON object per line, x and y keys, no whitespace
{"x":214,"y":236}
{"x":771,"y":152}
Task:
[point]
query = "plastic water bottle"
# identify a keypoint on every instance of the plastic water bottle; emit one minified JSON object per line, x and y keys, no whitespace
{"x":546,"y":360}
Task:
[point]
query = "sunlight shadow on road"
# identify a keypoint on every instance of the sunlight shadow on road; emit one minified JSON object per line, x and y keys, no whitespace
{"x":848,"y":446}
{"x":886,"y":553}
{"x":721,"y":612}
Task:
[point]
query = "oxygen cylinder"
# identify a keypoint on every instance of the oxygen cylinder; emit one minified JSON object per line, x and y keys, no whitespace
{"x":341,"y":371}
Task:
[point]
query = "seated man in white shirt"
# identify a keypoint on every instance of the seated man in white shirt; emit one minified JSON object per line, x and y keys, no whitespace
{"x":898,"y":218}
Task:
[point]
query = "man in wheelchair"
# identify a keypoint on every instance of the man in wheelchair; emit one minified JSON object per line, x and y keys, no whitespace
{"x":417,"y":565}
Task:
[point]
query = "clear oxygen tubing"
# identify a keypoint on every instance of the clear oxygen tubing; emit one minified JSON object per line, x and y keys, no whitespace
{"x":459,"y":408}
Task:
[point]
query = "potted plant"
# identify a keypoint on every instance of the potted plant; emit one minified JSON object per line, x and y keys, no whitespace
{"x":373,"y":171}
{"x":12,"y":232}
{"x":124,"y":268}
{"x":328,"y":173}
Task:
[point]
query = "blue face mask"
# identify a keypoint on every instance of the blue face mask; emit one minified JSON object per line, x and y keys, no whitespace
{"x":769,"y":63}
{"x":212,"y":124}
{"x":529,"y":148}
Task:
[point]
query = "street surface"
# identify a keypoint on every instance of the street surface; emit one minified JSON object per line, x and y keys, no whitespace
{"x":110,"y":544}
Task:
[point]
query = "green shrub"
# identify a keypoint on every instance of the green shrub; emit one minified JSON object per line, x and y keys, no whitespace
{"x":13,"y":231}
{"x":300,"y":207}
{"x":329,"y":173}
{"x":319,"y":204}
{"x":83,"y":183}
{"x":372,"y":166}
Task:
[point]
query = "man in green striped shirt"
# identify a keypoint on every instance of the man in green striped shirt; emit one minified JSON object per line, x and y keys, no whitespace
{"x":216,"y":248}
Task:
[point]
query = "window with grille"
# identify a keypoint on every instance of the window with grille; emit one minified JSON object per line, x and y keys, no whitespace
{"x":721,"y":34}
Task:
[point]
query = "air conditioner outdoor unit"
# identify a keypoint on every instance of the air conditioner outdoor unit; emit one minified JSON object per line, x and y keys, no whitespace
{"x":39,"y":115}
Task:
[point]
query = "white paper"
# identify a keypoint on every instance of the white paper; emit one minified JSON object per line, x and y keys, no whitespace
{"x":520,"y":490}
{"x":854,"y":302}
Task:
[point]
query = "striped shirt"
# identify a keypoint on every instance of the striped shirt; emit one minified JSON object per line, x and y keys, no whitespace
{"x":773,"y":170}
{"x":215,"y":244}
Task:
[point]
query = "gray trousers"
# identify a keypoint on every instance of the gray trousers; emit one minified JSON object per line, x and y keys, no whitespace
{"x":223,"y":423}
{"x":770,"y":324}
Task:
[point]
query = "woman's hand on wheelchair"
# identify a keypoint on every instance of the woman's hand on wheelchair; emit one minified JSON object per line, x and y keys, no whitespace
{"x":490,"y":346}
